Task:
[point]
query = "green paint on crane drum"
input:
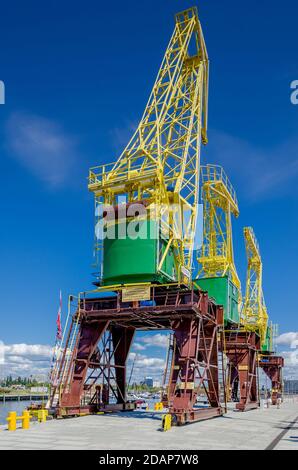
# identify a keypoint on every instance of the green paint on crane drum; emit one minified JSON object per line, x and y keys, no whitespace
{"x":129,"y":259}
{"x":267,"y":346}
{"x":225,"y":293}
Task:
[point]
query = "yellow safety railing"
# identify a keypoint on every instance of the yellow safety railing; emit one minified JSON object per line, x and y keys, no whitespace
{"x":12,"y":418}
{"x":41,"y":415}
{"x":158,"y":406}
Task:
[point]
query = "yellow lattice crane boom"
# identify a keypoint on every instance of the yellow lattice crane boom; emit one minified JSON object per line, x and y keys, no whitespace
{"x":255,"y":316}
{"x":160,"y":165}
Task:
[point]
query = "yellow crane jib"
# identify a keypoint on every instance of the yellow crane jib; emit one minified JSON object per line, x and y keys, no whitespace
{"x":254,"y":315}
{"x":153,"y":187}
{"x":217,"y":272}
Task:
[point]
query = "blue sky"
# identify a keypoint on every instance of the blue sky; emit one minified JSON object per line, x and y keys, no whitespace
{"x":77,"y":79}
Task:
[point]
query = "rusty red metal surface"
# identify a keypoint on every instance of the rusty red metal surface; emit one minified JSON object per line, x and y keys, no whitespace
{"x":94,"y":379}
{"x":241,"y":349}
{"x":272,"y":366}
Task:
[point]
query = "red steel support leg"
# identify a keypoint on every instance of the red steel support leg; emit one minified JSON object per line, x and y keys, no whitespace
{"x":248,"y":381}
{"x":183,"y":394}
{"x":241,"y":350}
{"x":122,"y":340}
{"x":272,"y":366}
{"x":234,"y":382}
{"x":195,"y":369}
{"x":88,"y":337}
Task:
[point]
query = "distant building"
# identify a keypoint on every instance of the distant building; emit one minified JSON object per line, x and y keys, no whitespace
{"x":38,"y":389}
{"x":148,"y":381}
{"x":291,"y":386}
{"x":156,"y":383}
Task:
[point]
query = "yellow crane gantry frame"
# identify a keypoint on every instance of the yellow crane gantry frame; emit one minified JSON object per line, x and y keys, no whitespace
{"x":216,"y":258}
{"x":254,"y":315}
{"x":161,"y":162}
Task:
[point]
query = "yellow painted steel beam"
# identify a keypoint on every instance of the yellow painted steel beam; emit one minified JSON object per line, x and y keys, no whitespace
{"x":216,"y":257}
{"x":254,"y":314}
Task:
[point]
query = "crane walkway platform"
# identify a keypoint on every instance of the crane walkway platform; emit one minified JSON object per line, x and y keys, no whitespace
{"x":265,"y":428}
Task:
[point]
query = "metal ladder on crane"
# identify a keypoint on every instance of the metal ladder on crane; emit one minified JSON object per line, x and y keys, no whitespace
{"x":61,"y":372}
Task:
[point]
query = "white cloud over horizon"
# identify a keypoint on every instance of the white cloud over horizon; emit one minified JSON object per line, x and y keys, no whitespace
{"x":25,"y":359}
{"x":35,"y":359}
{"x":145,"y":366}
{"x":41,"y":146}
{"x":289,"y":339}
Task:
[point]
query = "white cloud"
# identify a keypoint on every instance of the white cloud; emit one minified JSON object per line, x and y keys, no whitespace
{"x":28,"y":350}
{"x":26,"y":359}
{"x":291,"y":358}
{"x":288,"y":339}
{"x":291,"y":364}
{"x":138,"y":347}
{"x":258,"y":171}
{"x":42,"y":147}
{"x":144,"y":366}
{"x":150,"y":362}
{"x":158,"y":340}
{"x":1,"y":352}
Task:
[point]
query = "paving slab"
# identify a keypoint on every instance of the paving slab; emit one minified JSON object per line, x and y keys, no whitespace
{"x":255,"y":429}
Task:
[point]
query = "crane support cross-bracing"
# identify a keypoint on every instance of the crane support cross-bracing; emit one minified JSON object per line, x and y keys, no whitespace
{"x":159,"y":167}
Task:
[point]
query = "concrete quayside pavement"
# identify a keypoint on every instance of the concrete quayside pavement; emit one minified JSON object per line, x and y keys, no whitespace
{"x":264,"y":428}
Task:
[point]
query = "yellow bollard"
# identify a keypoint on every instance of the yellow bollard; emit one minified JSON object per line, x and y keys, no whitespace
{"x":12,"y":421}
{"x":25,"y":420}
{"x":42,"y":416}
{"x":166,"y":422}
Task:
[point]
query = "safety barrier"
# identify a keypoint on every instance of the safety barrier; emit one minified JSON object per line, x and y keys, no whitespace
{"x":12,"y":418}
{"x":158,"y":406}
{"x":41,"y":415}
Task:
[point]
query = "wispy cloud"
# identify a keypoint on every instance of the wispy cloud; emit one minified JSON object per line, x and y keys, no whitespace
{"x":42,"y":147}
{"x":258,"y":172}
{"x":120,"y":136}
{"x":138,"y":347}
